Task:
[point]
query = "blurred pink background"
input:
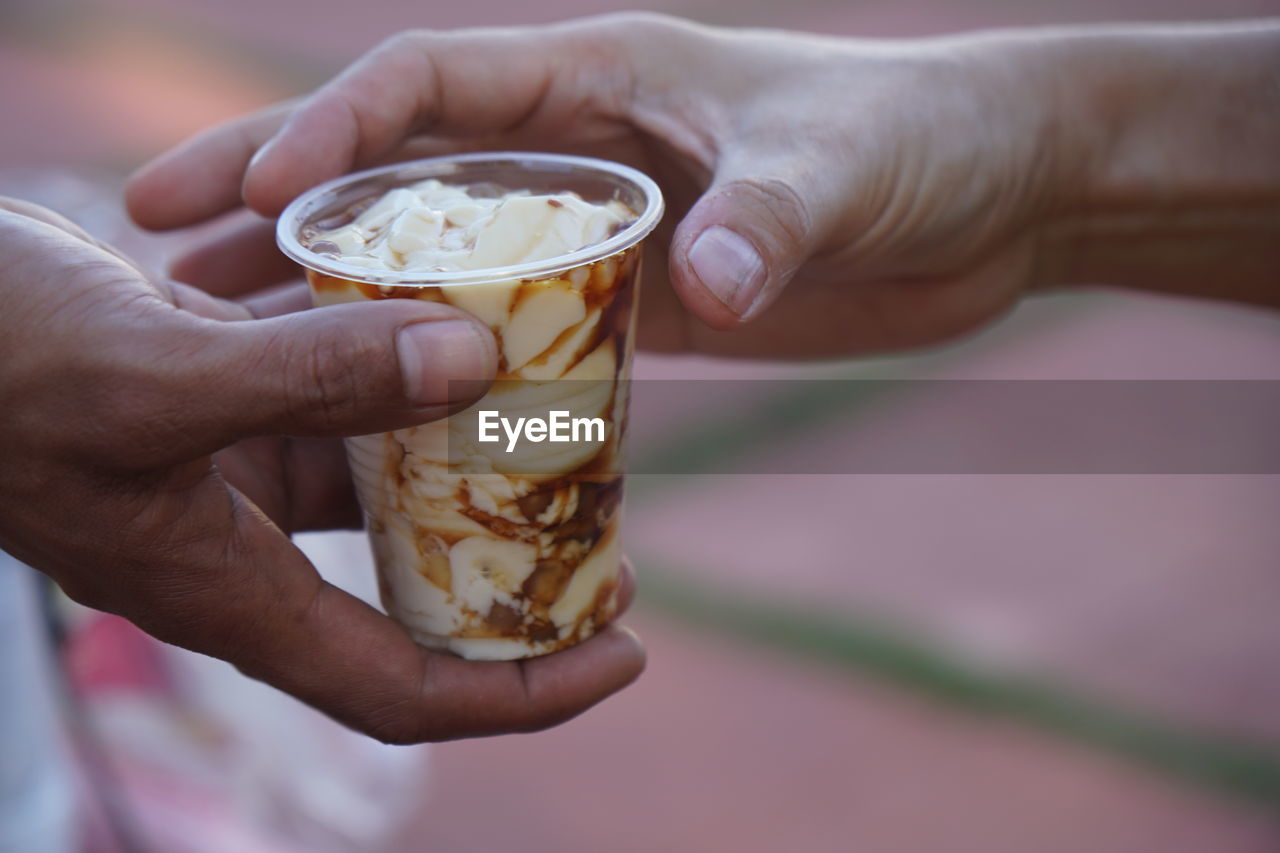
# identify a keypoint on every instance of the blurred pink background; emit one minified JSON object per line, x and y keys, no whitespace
{"x":1145,"y":606}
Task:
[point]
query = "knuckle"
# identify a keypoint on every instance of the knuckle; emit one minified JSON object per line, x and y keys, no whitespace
{"x":628,"y":37}
{"x":634,"y":22}
{"x":412,"y":45}
{"x":394,"y":727}
{"x":541,"y":719}
{"x":402,"y":53}
{"x":785,"y":208}
{"x":403,"y":41}
{"x":402,"y":721}
{"x":408,"y":718}
{"x":319,"y":387}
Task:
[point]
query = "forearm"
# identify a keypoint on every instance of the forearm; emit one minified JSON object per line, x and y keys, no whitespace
{"x":1171,"y":165}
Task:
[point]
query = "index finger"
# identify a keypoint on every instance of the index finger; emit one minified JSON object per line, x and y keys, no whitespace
{"x":457,"y":83}
{"x":453,"y":84}
{"x":559,"y":83}
{"x":566,"y":83}
{"x":201,"y":178}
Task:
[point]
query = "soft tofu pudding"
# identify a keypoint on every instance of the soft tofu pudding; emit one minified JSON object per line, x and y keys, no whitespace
{"x":509,"y":548}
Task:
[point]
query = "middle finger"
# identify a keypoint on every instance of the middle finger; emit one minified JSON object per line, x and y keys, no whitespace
{"x":238,"y":260}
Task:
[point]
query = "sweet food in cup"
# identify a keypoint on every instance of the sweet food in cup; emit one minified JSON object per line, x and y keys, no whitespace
{"x":497,"y":549}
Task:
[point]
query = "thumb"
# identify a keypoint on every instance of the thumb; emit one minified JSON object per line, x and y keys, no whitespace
{"x":742,"y":242}
{"x":341,"y":370}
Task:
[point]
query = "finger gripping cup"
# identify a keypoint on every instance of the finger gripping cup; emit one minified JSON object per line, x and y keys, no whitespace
{"x":507,"y":548}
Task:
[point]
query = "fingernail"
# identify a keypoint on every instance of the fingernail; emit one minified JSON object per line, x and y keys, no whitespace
{"x":631,"y":634}
{"x":262,"y":153}
{"x":729,"y":266}
{"x":442,"y":361}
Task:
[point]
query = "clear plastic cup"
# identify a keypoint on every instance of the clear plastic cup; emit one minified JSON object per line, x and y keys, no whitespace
{"x":490,"y":553}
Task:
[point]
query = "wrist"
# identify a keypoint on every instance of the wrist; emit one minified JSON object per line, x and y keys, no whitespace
{"x":1173,"y":136}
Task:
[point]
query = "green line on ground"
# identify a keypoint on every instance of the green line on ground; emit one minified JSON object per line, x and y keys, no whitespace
{"x":714,"y":444}
{"x":1239,"y":767}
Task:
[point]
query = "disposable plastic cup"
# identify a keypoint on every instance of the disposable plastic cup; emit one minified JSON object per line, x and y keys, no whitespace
{"x":496,"y":550}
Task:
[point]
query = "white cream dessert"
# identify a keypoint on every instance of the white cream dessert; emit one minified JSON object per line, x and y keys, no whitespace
{"x":489,"y":552}
{"x":434,"y":227}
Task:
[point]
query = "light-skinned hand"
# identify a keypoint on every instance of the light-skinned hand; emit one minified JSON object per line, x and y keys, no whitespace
{"x":840,"y":196}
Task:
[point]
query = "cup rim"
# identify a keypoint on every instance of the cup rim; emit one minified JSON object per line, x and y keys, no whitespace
{"x":298,"y":210}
